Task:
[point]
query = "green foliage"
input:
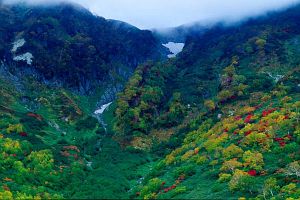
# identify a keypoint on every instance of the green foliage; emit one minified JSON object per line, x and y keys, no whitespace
{"x":140,"y":106}
{"x":86,"y":124}
{"x":243,"y":141}
{"x":253,"y":160}
{"x":149,"y":191}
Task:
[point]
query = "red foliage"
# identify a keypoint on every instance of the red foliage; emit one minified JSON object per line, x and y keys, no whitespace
{"x":36,"y":116}
{"x":278,"y":139}
{"x":233,"y":97}
{"x":237,"y":118}
{"x":281,"y":140}
{"x":248,"y":133}
{"x":286,"y":117}
{"x":170,"y":188}
{"x":226,"y":130}
{"x":173,"y":187}
{"x":252,"y":172}
{"x":282,"y":144}
{"x":6,"y":188}
{"x":73,"y":148}
{"x":248,"y":118}
{"x":65,"y":153}
{"x":267,"y":112}
{"x":23,"y":134}
{"x":163,"y":183}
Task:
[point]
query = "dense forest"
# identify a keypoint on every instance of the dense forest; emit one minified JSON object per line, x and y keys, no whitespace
{"x":221,"y":120}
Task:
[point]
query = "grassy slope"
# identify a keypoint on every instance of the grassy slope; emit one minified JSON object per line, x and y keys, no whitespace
{"x":114,"y":170}
{"x":201,"y":179}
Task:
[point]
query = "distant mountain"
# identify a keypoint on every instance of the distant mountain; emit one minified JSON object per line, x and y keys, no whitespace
{"x":67,"y":45}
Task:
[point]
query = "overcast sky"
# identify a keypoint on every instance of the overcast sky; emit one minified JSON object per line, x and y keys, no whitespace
{"x":147,"y":14}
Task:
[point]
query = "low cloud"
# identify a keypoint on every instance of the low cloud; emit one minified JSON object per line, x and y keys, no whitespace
{"x":148,"y":14}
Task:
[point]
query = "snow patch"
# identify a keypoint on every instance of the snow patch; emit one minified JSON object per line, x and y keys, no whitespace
{"x":24,"y":57}
{"x":174,"y":48}
{"x":276,"y":78}
{"x":102,"y":109}
{"x":17,"y":44}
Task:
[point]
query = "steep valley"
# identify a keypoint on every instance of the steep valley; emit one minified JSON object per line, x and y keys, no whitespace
{"x":93,"y":109}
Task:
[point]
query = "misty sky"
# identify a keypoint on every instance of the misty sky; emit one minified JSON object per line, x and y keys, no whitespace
{"x":148,"y":14}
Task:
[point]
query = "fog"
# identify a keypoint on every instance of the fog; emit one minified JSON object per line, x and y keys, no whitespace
{"x":147,"y":14}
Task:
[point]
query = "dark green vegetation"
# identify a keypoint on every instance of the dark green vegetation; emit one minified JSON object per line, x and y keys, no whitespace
{"x":220,"y":120}
{"x":72,"y":47}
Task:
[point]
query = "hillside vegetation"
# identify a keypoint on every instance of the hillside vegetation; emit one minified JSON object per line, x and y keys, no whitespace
{"x":221,"y":120}
{"x":225,"y":112}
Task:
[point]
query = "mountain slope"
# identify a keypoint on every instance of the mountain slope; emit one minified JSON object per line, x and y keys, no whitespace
{"x":226,"y":112}
{"x":57,"y":63}
{"x":220,"y":120}
{"x":67,"y":45}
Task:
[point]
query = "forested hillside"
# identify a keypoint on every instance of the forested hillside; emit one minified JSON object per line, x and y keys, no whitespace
{"x":221,"y":120}
{"x":58,"y":62}
{"x":225,"y":112}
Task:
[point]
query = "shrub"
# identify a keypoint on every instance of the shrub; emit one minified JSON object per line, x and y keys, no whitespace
{"x":224,"y":177}
{"x":253,"y":160}
{"x":33,"y":124}
{"x":153,"y":186}
{"x":210,"y":105}
{"x":187,"y":170}
{"x":88,"y":123}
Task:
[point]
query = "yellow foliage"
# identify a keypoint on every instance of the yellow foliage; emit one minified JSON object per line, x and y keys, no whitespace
{"x":170,"y":159}
{"x":253,"y":160}
{"x":224,"y":177}
{"x":232,"y":151}
{"x":187,"y":155}
{"x":246,"y":110}
{"x":16,"y":128}
{"x":231,"y":165}
{"x":201,"y":160}
{"x":235,"y":180}
{"x":6,"y":195}
{"x":11,"y":146}
{"x":258,"y":138}
{"x":210,"y":105}
{"x":266,"y":98}
{"x":214,"y":142}
{"x":214,"y":162}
